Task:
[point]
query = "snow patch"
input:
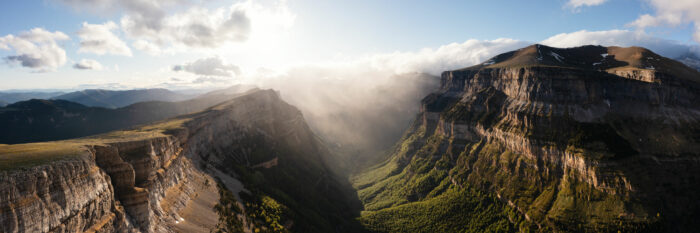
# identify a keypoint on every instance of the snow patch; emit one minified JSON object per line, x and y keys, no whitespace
{"x":489,"y":62}
{"x":650,"y":68}
{"x":597,"y":63}
{"x":604,"y":55}
{"x":556,"y":56}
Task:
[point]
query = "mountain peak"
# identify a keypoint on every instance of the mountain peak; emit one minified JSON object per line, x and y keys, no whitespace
{"x":611,"y":59}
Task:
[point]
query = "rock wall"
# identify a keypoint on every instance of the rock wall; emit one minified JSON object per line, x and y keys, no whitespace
{"x":68,"y":196}
{"x":555,"y":135}
{"x":114,"y":187}
{"x":145,"y":183}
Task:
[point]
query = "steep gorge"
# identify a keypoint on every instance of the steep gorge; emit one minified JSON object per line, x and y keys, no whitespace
{"x":580,"y":139}
{"x":163,"y":177}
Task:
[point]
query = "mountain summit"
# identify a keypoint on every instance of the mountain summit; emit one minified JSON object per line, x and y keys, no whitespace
{"x":615,"y":60}
{"x":575,"y":140}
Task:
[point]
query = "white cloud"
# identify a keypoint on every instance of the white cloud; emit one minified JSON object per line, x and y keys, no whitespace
{"x":212,"y":66}
{"x":671,"y":13}
{"x":203,"y":80}
{"x":471,"y":52}
{"x":446,"y":57}
{"x":99,"y":39}
{"x":145,"y":8}
{"x":88,"y":64}
{"x":207,"y":29}
{"x":148,"y":47}
{"x":624,"y":38}
{"x":36,"y":49}
{"x":197,"y":27}
{"x":575,"y":4}
{"x":173,"y":26}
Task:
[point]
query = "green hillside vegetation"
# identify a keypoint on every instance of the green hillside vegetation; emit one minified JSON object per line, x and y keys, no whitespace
{"x":17,"y":156}
{"x":49,"y":120}
{"x":437,"y":184}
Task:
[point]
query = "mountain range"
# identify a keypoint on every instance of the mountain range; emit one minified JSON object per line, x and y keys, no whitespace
{"x":44,"y":120}
{"x":539,"y":139}
{"x":99,"y":97}
{"x":544,"y":139}
{"x":118,"y":99}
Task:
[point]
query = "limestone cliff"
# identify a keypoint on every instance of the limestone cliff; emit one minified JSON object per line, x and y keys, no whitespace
{"x":162,"y":177}
{"x":587,"y":138}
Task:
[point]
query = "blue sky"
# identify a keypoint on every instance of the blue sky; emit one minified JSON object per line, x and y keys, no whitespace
{"x":273,"y":35}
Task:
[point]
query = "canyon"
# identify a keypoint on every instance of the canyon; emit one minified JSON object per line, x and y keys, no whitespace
{"x":580,"y":139}
{"x":163,"y":177}
{"x":540,"y":139}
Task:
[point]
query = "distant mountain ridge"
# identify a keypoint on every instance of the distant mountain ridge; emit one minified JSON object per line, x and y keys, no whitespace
{"x":118,"y":99}
{"x":45,"y":120}
{"x":615,"y":60}
{"x":690,"y":60}
{"x":9,"y":97}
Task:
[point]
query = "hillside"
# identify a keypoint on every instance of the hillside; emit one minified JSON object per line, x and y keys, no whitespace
{"x":44,"y":120}
{"x":195,"y":173}
{"x":15,"y":96}
{"x":543,"y":139}
{"x":691,"y":60}
{"x":118,"y":99}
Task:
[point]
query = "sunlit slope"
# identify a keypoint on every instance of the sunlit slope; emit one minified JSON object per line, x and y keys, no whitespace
{"x":562,"y":144}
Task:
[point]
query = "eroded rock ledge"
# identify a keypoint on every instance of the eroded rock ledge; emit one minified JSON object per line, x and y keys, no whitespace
{"x":628,"y":138}
{"x":138,"y":180}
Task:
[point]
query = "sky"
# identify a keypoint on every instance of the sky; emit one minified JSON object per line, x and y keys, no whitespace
{"x":179,"y":44}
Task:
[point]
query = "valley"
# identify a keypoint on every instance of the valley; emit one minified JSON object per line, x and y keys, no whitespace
{"x":539,"y":139}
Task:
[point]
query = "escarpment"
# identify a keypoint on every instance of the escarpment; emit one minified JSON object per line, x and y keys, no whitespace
{"x":115,"y":183}
{"x":579,"y":139}
{"x":163,"y":177}
{"x":67,"y":196}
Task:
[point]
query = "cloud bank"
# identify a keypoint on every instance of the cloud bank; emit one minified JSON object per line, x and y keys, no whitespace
{"x":162,"y":26}
{"x":212,"y":66}
{"x":36,"y":49}
{"x":575,"y":4}
{"x":625,"y":38}
{"x":446,"y":57}
{"x":88,"y":64}
{"x":195,"y":28}
{"x":671,"y":13}
{"x":99,"y":39}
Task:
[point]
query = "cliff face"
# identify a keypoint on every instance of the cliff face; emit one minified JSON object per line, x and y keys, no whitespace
{"x":68,"y":196}
{"x":161,"y":177}
{"x":117,"y":186}
{"x":569,"y":145}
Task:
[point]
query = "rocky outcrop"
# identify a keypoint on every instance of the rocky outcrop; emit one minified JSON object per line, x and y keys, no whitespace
{"x":161,"y":177}
{"x":67,"y":196}
{"x":114,"y":187}
{"x":579,"y":139}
